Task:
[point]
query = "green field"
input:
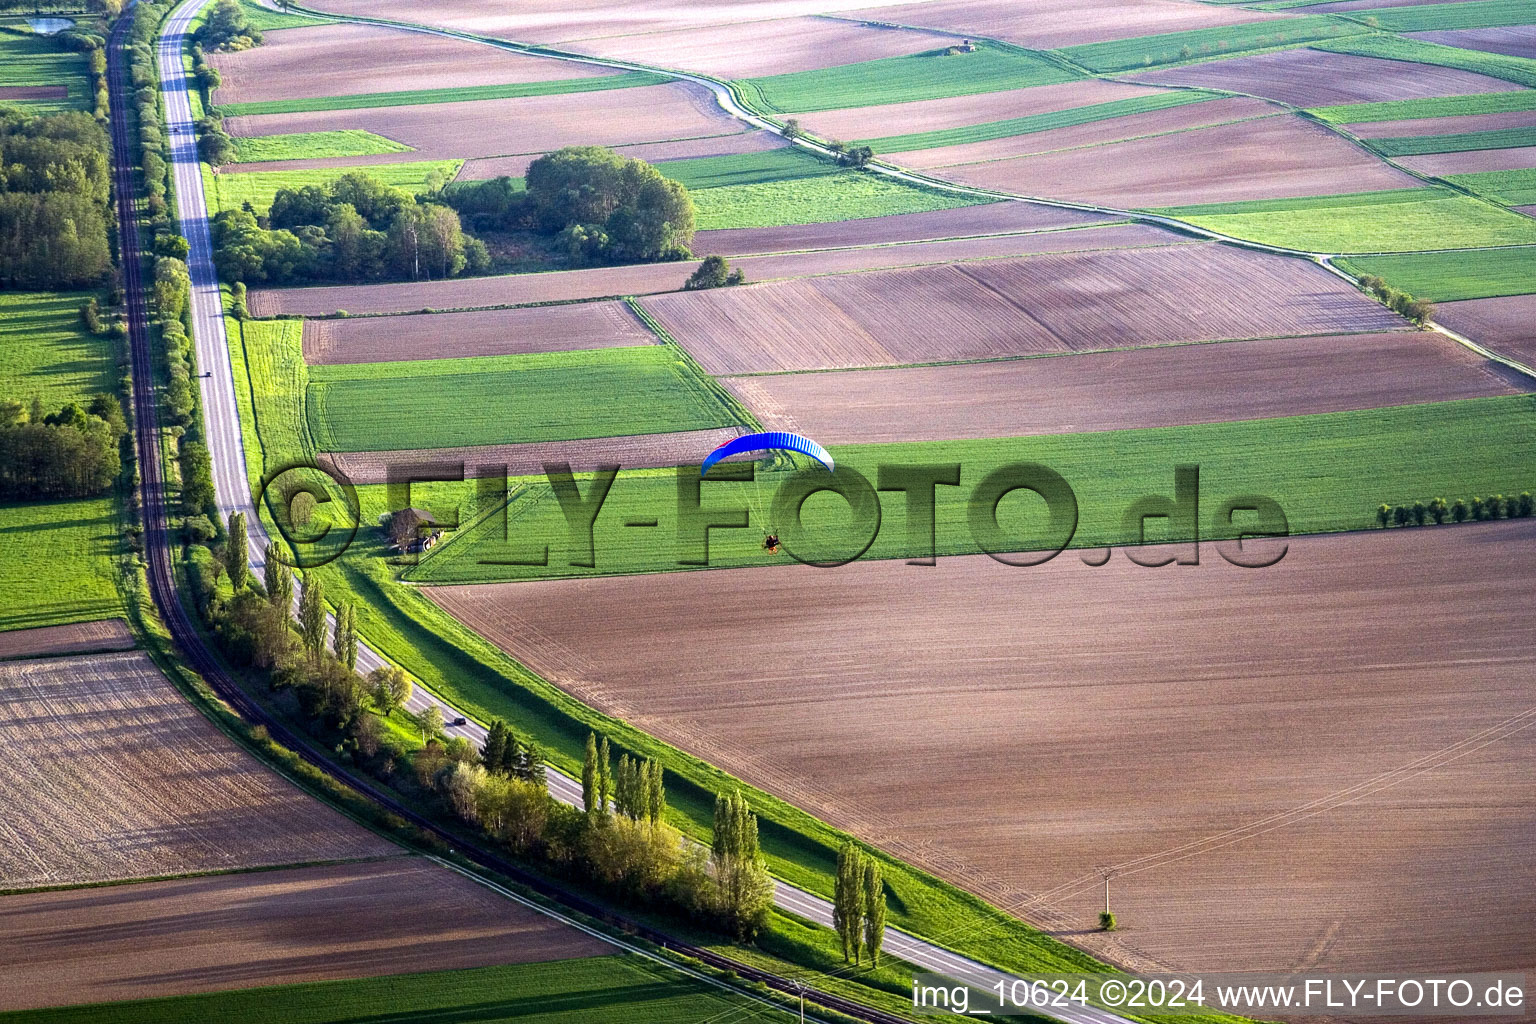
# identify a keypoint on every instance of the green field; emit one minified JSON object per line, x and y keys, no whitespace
{"x":268,"y":20}
{"x":1034,"y":122}
{"x":1512,"y":188}
{"x":1463,"y":142}
{"x":277,"y":375}
{"x":547,"y":396}
{"x":514,"y":90}
{"x":623,"y":989}
{"x":1442,"y":17}
{"x":924,"y":76}
{"x":1173,"y":47}
{"x":1328,"y":472}
{"x":1403,"y":220}
{"x":28,"y":59}
{"x":228,"y":191}
{"x":1497,"y":65}
{"x":1439,"y":106}
{"x":785,"y":164}
{"x":314,"y":146}
{"x":46,"y":352}
{"x":1449,"y":276}
{"x":849,"y":195}
{"x":57,"y":562}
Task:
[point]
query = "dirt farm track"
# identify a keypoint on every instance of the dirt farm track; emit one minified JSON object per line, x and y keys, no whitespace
{"x":1324,"y":764}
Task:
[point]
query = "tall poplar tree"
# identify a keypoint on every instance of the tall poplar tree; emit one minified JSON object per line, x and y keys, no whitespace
{"x":236,"y":553}
{"x":873,"y":910}
{"x":312,"y":616}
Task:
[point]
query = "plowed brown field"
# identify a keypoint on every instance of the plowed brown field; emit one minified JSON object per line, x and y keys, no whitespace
{"x":1048,"y":303}
{"x":1316,"y":78}
{"x":1290,"y":768}
{"x":530,"y":124}
{"x":1158,"y":122}
{"x":270,"y":928}
{"x":343,"y":60}
{"x":1472,"y":161}
{"x":101,"y":635}
{"x":1151,"y":387}
{"x":1280,"y":156}
{"x":488,"y":333}
{"x":639,"y":451}
{"x":684,"y":149}
{"x":1516,"y":40}
{"x":763,"y":47}
{"x":1045,"y":24}
{"x":33,"y":92}
{"x":1502,"y":324}
{"x":1443,"y":125}
{"x":107,"y":772}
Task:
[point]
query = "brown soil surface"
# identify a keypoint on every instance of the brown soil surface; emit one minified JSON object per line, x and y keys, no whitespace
{"x":1290,"y":768}
{"x":343,"y":60}
{"x":488,"y":333}
{"x":650,"y":278}
{"x":639,"y":451}
{"x":1316,"y":78}
{"x":107,"y":772}
{"x":686,"y":149}
{"x":1472,"y":161}
{"x":1040,"y":304}
{"x":954,"y":111}
{"x":1157,"y":122}
{"x":530,"y":124}
{"x":75,"y":638}
{"x":1150,"y":387}
{"x":1444,"y":125}
{"x":1515,"y":40}
{"x":1045,"y":24}
{"x":1506,"y":324}
{"x":169,"y":938}
{"x":1270,"y":158}
{"x":992,"y":218}
{"x":33,"y":92}
{"x":763,"y":47}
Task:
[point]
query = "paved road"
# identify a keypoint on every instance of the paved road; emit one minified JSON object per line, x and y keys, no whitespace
{"x":227,"y":449}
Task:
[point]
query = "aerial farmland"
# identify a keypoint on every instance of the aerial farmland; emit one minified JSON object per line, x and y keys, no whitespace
{"x":788,"y":509}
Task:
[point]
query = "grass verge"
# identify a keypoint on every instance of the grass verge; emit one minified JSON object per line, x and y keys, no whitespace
{"x":314,"y":146}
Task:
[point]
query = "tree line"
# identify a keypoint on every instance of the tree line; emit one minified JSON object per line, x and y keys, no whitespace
{"x":858,"y":905}
{"x":72,"y":453}
{"x":55,"y":193}
{"x":353,"y":229}
{"x":1438,"y":510}
{"x":226,"y":27}
{"x":1397,"y":300}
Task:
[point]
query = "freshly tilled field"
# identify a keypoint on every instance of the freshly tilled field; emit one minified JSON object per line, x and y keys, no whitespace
{"x":101,"y":635}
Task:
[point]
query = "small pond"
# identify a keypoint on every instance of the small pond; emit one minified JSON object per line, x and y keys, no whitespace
{"x":50,"y":26}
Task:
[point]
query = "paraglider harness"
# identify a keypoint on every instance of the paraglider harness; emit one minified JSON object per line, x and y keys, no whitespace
{"x":771,"y":543}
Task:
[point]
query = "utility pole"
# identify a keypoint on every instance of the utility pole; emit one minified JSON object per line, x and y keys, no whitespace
{"x":1107,"y":874}
{"x":800,"y":987}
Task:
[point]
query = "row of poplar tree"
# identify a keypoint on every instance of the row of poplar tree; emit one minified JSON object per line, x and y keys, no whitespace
{"x":858,"y":905}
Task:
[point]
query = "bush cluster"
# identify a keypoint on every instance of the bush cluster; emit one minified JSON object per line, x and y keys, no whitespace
{"x":714,"y":272}
{"x":1397,"y":300}
{"x":72,"y":453}
{"x":1438,"y":510}
{"x":227,"y":28}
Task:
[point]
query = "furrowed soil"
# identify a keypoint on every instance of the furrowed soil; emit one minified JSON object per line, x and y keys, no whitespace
{"x":1516,"y":40}
{"x":265,"y":928}
{"x":1288,"y":768}
{"x":343,"y":60}
{"x":1316,"y":78}
{"x":1153,"y":387}
{"x":75,"y":638}
{"x":1502,"y":324}
{"x":1472,"y":161}
{"x":487,"y":333}
{"x":1443,"y":125}
{"x":109,"y":773}
{"x":1272,"y":157}
{"x":1035,"y":305}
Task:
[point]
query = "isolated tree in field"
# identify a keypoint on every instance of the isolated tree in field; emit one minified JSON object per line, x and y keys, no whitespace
{"x":714,"y":272}
{"x":1438,"y":510}
{"x":873,"y":910}
{"x":279,"y":582}
{"x":847,"y":901}
{"x":389,"y":689}
{"x":743,"y":886}
{"x":235,"y":552}
{"x":345,"y":640}
{"x":312,"y":616}
{"x":792,"y":130}
{"x":589,"y":779}
{"x":1383,"y":514}
{"x":1459,"y":510}
{"x":431,"y":722}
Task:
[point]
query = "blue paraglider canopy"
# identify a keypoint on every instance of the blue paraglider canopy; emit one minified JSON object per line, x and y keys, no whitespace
{"x":773,"y":440}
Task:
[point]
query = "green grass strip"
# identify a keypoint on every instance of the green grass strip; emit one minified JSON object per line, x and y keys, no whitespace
{"x":1451,"y":276}
{"x":851,"y":195}
{"x":229,"y":190}
{"x":1035,"y":122}
{"x":1439,"y":106}
{"x":935,"y":74}
{"x":1441,"y":17}
{"x":1389,"y":197}
{"x":513,"y":90}
{"x":1415,"y":145}
{"x":29,"y":60}
{"x":786,"y":164}
{"x":314,"y":146}
{"x":1521,"y":70}
{"x":1512,"y":188}
{"x":268,"y":20}
{"x":1227,"y":40}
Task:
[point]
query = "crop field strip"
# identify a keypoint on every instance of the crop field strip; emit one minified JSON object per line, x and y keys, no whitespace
{"x":1519,"y":41}
{"x":1415,"y":145}
{"x":1470,"y":164}
{"x":1442,"y":16}
{"x":1443,"y":106}
{"x":1311,"y":467}
{"x":1120,"y":390}
{"x":736,"y":144}
{"x":558,"y":396}
{"x":1436,"y":126}
{"x":594,"y":988}
{"x":1370,"y":764}
{"x":231,"y":190}
{"x":236,"y":931}
{"x":30,"y":62}
{"x":122,"y":778}
{"x":1174,"y":47}
{"x":1502,"y":324}
{"x":1512,"y":188}
{"x":314,"y":146}
{"x":75,"y":638}
{"x":1450,"y":276}
{"x":1519,"y":70}
{"x":1260,"y":158}
{"x":47,"y":353}
{"x":1403,"y":220}
{"x":508,"y":91}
